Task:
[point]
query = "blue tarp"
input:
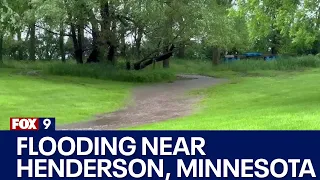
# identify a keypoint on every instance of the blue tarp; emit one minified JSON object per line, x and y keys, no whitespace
{"x":253,"y":54}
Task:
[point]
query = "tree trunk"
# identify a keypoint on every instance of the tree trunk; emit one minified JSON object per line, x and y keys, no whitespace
{"x":169,"y":35}
{"x":181,"y":51}
{"x":166,"y":63}
{"x":20,"y":50}
{"x":138,"y":42}
{"x":108,"y":31}
{"x":77,"y":50}
{"x":148,"y":61}
{"x":275,"y":40}
{"x":274,"y":44}
{"x":112,"y":44}
{"x":95,"y":54}
{"x":105,"y":31}
{"x":123,"y":46}
{"x":32,"y":47}
{"x":61,"y":43}
{"x":274,"y":50}
{"x":48,"y":52}
{"x":80,"y":43}
{"x":111,"y":54}
{"x":215,"y":56}
{"x":1,"y":46}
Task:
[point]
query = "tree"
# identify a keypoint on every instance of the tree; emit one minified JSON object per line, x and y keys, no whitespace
{"x":8,"y":21}
{"x":261,"y":18}
{"x":305,"y":29}
{"x":175,"y":22}
{"x":285,"y":26}
{"x":159,"y":28}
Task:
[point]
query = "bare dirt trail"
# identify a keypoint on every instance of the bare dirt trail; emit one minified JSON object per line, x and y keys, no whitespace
{"x":151,"y":103}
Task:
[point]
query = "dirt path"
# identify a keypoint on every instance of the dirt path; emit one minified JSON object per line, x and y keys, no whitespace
{"x":151,"y":103}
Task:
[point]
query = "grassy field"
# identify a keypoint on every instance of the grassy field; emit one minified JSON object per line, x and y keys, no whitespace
{"x":290,"y":101}
{"x":68,"y":99}
{"x":282,"y":94}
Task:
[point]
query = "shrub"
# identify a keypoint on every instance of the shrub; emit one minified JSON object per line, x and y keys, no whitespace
{"x":100,"y":71}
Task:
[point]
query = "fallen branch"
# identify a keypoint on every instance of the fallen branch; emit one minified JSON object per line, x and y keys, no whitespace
{"x":148,"y":61}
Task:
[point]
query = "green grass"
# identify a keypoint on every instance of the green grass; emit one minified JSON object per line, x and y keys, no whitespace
{"x":289,"y":101}
{"x":69,"y":99}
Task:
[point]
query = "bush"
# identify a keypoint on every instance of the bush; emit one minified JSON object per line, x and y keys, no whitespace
{"x":100,"y":71}
{"x":97,"y":71}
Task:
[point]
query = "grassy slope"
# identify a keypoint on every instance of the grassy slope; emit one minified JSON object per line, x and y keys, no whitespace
{"x":286,"y":102}
{"x":66,"y":98}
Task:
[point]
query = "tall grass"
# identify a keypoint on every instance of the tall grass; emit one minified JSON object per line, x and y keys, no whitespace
{"x":97,"y":71}
{"x":202,"y":67}
{"x":281,"y":64}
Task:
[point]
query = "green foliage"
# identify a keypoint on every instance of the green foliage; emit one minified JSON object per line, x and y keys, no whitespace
{"x":306,"y":27}
{"x":289,"y":25}
{"x":181,"y":21}
{"x":292,"y":26}
{"x":8,"y":17}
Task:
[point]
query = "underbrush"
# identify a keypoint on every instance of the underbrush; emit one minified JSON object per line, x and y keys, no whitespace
{"x":97,"y":71}
{"x":177,"y":66}
{"x":252,"y":67}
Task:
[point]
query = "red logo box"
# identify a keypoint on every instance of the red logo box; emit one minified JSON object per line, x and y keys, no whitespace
{"x":24,"y":124}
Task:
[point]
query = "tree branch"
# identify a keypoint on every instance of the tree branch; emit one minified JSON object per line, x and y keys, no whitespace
{"x":52,"y":32}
